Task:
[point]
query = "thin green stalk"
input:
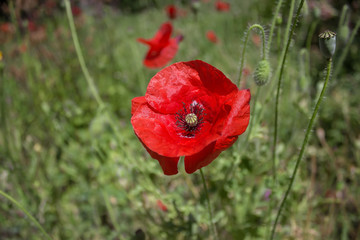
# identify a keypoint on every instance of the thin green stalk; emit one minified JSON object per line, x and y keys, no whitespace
{"x":273,"y":23}
{"x":245,"y":45}
{"x":88,"y":78}
{"x":292,"y":30}
{"x":252,"y":118}
{"x":343,"y":16}
{"x":306,"y":139}
{"x":212,"y":224}
{"x":339,"y":62}
{"x":3,"y":108}
{"x":32,"y":219}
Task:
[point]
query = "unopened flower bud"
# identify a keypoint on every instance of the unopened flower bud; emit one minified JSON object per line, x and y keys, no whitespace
{"x":262,"y":72}
{"x":327,"y":42}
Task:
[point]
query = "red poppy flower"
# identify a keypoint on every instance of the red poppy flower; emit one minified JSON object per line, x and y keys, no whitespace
{"x":190,"y":109}
{"x":161,"y":205}
{"x":212,"y":36}
{"x":222,"y":6}
{"x":171,"y":11}
{"x":32,"y":27}
{"x":162,"y":47}
{"x":6,"y":27}
{"x":256,"y":39}
{"x":76,"y":11}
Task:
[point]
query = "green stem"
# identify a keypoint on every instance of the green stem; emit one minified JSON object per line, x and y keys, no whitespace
{"x":26,"y":212}
{"x":88,"y":78}
{"x":343,"y":16}
{"x":339,"y":62}
{"x":212,"y":224}
{"x":252,"y":118}
{"x":279,"y":84}
{"x":245,"y":45}
{"x":273,"y":23}
{"x":306,"y":139}
{"x":3,"y":109}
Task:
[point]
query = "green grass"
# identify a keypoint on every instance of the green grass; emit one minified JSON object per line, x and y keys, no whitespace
{"x":62,"y":161}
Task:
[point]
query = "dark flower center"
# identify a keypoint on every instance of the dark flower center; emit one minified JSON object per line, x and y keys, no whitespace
{"x":190,"y":119}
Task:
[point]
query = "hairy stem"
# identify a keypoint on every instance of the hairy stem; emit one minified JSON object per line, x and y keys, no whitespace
{"x":273,"y":23}
{"x":282,"y":65}
{"x":212,"y":224}
{"x":80,"y":56}
{"x":32,"y":219}
{"x":258,"y":26}
{"x":339,"y":62}
{"x":306,"y":139}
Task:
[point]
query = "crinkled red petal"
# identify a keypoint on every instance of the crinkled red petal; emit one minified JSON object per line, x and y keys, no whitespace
{"x":184,"y":82}
{"x":160,"y":133}
{"x":227,"y":115}
{"x":168,"y":164}
{"x":236,"y":123}
{"x":136,"y":102}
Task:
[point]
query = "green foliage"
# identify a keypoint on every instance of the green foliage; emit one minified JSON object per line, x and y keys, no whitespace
{"x":61,"y":159}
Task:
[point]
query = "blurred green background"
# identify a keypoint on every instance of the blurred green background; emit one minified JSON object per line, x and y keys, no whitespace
{"x":81,"y":178}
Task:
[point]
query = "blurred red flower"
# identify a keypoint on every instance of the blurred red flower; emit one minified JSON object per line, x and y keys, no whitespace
{"x":256,"y":39}
{"x":222,"y":6}
{"x":212,"y":36}
{"x":190,"y":109}
{"x":32,"y":27}
{"x":6,"y":27}
{"x":161,"y":205}
{"x":171,"y":11}
{"x":162,"y":47}
{"x":76,"y":11}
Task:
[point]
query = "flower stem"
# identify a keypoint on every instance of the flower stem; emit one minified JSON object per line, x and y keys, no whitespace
{"x":26,"y":212}
{"x":88,"y":78}
{"x":212,"y":224}
{"x":244,"y":48}
{"x":279,"y":84}
{"x":252,"y":122}
{"x":339,"y":62}
{"x":306,"y":139}
{"x":273,"y":23}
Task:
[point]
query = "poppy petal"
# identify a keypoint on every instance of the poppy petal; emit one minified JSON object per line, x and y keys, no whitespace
{"x":168,"y":164}
{"x":184,"y":82}
{"x":160,"y":117}
{"x":163,"y":34}
{"x":136,"y":102}
{"x":160,"y":134}
{"x":156,"y":58}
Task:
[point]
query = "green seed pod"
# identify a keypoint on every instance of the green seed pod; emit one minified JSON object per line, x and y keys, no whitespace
{"x":327,"y":42}
{"x":262,"y":72}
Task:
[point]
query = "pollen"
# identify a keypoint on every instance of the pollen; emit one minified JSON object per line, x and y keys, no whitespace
{"x":191,"y":119}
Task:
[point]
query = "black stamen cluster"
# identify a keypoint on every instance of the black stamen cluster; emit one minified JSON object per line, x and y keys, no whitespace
{"x":188,"y":130}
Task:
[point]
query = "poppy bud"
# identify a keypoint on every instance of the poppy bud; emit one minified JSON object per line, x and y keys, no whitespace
{"x":262,"y":72}
{"x":327,"y":42}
